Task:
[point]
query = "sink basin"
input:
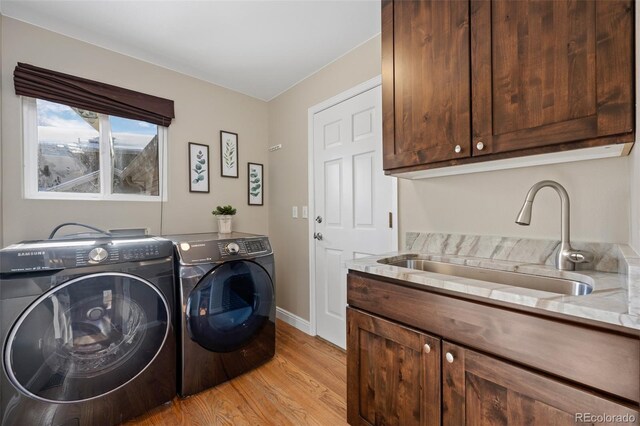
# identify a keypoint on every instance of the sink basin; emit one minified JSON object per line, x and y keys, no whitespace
{"x":534,"y":282}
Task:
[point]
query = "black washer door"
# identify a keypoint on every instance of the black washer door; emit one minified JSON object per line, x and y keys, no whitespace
{"x":229,"y":306}
{"x":86,"y":337}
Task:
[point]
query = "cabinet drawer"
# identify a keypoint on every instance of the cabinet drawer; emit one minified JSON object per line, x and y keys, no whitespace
{"x":587,"y":355}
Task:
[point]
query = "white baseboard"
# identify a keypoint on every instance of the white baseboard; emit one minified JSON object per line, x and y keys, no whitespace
{"x":294,"y":320}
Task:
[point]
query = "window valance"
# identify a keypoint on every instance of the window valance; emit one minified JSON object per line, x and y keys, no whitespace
{"x":79,"y":92}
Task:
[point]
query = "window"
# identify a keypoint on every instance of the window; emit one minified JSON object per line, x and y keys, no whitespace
{"x":71,"y":153}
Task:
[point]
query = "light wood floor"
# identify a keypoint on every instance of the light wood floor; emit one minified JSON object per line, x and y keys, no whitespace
{"x":304,"y":384}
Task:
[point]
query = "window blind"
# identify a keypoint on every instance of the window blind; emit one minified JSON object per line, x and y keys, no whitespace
{"x":79,"y":92}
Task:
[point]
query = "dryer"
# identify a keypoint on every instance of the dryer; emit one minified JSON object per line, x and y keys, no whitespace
{"x":226,"y":288}
{"x":86,"y":326}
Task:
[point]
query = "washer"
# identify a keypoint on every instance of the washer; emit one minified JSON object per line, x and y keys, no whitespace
{"x":86,"y":326}
{"x":226,"y":289}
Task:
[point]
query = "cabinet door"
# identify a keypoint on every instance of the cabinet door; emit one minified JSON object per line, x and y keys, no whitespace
{"x":480,"y":390}
{"x":425,"y":81}
{"x":393,"y":373}
{"x":550,"y":72}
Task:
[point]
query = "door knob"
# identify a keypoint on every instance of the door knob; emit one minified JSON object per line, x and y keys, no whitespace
{"x":480,"y":146}
{"x":319,"y":219}
{"x":457,"y":149}
{"x":426,"y":348}
{"x":449,"y":357}
{"x":317,"y":236}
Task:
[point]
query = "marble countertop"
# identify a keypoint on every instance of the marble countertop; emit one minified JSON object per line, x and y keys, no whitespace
{"x":615,"y":298}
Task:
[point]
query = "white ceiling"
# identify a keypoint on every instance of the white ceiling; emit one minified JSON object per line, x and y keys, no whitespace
{"x":259,"y":48}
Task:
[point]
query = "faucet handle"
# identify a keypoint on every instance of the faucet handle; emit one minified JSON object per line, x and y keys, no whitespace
{"x":578,"y":256}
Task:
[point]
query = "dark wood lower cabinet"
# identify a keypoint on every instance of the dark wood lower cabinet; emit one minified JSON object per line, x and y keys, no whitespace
{"x":399,"y":375}
{"x":393,"y":373}
{"x":481,"y":390}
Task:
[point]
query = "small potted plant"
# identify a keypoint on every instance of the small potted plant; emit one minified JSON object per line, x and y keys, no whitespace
{"x":224,"y":215}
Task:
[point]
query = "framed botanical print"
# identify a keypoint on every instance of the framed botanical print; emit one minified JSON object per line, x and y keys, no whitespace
{"x":198,"y":167}
{"x":228,"y":154}
{"x":255,"y":184}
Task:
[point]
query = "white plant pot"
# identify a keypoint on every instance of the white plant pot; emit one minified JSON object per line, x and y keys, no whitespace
{"x":224,"y":224}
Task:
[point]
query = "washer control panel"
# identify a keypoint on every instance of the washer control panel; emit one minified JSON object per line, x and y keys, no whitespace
{"x":114,"y":252}
{"x":98,"y":254}
{"x":103,"y":254}
{"x":147,"y":251}
{"x":52,"y":254}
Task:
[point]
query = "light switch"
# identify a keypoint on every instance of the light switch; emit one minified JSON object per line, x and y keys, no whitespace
{"x":305,"y":212}
{"x":294,"y":212}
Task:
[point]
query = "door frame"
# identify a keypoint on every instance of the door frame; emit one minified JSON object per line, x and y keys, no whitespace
{"x":341,"y":97}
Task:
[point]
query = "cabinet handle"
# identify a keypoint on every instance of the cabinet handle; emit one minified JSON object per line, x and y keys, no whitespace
{"x":480,"y":146}
{"x":457,"y":149}
{"x":427,"y":348}
{"x":449,"y":357}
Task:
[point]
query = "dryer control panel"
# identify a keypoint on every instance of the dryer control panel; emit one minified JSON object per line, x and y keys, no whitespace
{"x":244,"y":247}
{"x":256,"y":246}
{"x":194,"y":251}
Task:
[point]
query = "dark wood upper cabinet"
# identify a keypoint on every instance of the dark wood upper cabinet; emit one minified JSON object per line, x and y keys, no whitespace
{"x":550,"y":72}
{"x":393,"y":373}
{"x":481,"y":390}
{"x":425,"y":81}
{"x":503,"y":78}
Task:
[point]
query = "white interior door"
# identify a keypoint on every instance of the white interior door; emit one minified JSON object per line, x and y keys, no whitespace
{"x":353,"y":202}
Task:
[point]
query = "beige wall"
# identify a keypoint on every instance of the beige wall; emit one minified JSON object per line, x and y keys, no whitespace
{"x":634,"y":238}
{"x":288,"y":167}
{"x":487,"y":203}
{"x":202,"y":110}
{"x":634,"y":160}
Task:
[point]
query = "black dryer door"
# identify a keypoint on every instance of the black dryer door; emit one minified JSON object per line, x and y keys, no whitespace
{"x":86,"y":337}
{"x":229,"y":306}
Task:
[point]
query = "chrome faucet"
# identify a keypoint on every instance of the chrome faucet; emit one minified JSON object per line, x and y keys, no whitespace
{"x":567,"y":257}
